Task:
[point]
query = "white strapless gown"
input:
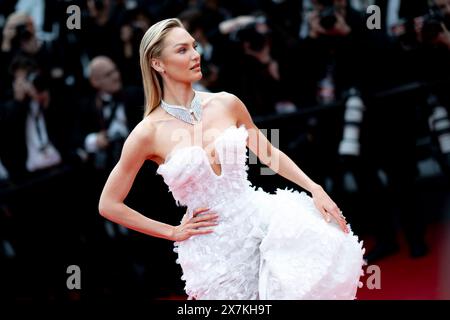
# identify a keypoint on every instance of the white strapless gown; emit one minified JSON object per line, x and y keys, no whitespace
{"x":265,"y":246}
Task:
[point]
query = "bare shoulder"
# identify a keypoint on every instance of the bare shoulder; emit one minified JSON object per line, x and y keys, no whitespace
{"x":223,"y":99}
{"x":222,"y":96}
{"x":141,"y":138}
{"x":237,"y":109}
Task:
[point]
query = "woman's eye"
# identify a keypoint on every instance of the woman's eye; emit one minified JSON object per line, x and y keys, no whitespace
{"x":182,"y":50}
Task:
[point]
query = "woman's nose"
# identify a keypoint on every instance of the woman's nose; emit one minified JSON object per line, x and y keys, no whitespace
{"x":195,"y":55}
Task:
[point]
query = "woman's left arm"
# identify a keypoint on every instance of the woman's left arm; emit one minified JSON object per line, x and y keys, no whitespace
{"x":280,"y":163}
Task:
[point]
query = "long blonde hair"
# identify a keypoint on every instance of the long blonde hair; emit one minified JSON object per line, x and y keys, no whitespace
{"x":151,"y":47}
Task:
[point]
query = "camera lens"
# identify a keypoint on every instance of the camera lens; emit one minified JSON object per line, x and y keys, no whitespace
{"x":99,"y":5}
{"x":256,"y":40}
{"x":432,"y":24}
{"x":39,"y":81}
{"x":22,"y":33}
{"x":328,"y":18}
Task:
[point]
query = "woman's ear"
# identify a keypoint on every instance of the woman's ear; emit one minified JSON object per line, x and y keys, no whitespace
{"x":157,"y":65}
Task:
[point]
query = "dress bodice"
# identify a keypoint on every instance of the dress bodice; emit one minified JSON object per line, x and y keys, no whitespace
{"x":191,"y":179}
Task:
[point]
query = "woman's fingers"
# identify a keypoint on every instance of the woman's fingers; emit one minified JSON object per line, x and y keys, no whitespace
{"x":337,"y":214}
{"x":190,"y":229}
{"x":204,"y":224}
{"x":196,"y":217}
{"x":198,"y":211}
{"x":204,"y":217}
{"x":196,"y":231}
{"x":199,"y":221}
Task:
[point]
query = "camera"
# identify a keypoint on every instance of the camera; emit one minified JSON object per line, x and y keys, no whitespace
{"x":432,"y":24}
{"x":327,"y":15}
{"x":252,"y":36}
{"x":353,"y":117}
{"x":99,"y":5}
{"x":39,"y":81}
{"x":439,"y":124}
{"x":22,"y":34}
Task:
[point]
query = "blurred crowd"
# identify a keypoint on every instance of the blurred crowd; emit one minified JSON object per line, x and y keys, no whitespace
{"x":354,"y":99}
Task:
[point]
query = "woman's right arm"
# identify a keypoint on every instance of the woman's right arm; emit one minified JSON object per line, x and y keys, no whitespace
{"x":135,"y":151}
{"x":111,"y":205}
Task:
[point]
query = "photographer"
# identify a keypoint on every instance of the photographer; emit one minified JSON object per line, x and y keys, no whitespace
{"x":19,"y":34}
{"x":19,"y":37}
{"x":394,"y":13}
{"x":432,"y":28}
{"x":38,"y":138}
{"x":329,"y":19}
{"x":331,"y":55}
{"x":434,"y":53}
{"x":261,"y":80}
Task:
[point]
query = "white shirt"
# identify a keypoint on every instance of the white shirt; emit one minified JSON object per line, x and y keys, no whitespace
{"x":41,"y":152}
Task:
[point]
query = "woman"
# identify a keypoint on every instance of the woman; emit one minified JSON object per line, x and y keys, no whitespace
{"x":261,"y":245}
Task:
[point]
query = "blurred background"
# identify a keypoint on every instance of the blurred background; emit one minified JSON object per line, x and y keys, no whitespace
{"x":363,"y":111}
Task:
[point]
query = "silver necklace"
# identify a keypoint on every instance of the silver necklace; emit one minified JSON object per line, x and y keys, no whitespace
{"x":184,"y":114}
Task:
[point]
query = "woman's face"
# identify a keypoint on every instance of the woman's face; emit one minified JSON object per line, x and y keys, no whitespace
{"x":179,"y":58}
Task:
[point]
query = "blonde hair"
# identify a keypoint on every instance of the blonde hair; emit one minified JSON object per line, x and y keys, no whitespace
{"x":151,"y":47}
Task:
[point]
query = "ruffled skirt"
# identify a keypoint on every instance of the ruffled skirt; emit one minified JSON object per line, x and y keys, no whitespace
{"x":271,"y":246}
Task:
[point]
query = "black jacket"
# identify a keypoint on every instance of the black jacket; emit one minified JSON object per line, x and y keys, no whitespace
{"x":13,"y":145}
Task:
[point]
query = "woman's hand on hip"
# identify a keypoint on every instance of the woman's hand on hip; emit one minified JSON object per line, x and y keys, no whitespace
{"x":189,"y":227}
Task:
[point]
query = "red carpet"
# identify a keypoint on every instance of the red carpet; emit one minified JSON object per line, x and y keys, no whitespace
{"x":404,"y":278}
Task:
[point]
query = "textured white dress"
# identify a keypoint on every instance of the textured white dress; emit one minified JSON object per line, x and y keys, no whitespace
{"x":265,"y":246}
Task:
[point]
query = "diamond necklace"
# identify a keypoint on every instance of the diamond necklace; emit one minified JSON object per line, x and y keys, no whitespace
{"x":186,"y":115}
